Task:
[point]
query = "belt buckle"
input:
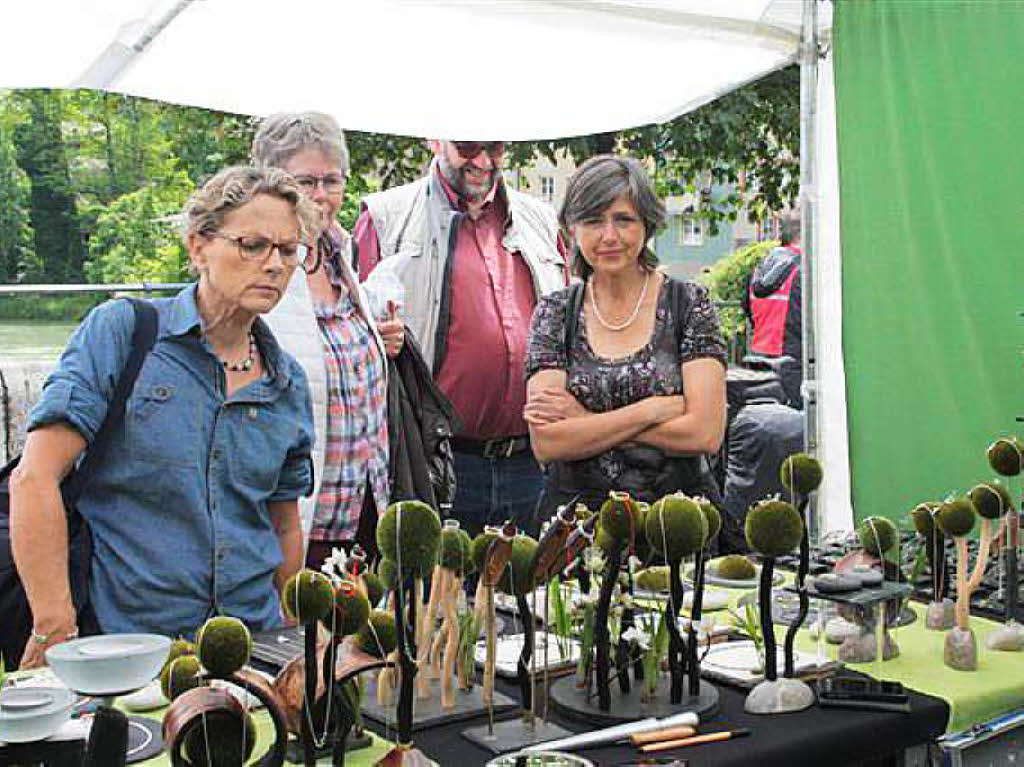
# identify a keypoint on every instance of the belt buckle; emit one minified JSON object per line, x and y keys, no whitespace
{"x":501,"y":447}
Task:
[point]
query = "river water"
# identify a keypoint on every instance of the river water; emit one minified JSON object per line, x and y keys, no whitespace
{"x":22,"y":340}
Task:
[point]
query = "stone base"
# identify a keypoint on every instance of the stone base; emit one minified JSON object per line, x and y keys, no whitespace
{"x":961,"y":650}
{"x":782,"y":696}
{"x":940,"y":616}
{"x":861,"y":648}
{"x":577,"y":704}
{"x":1008,"y":638}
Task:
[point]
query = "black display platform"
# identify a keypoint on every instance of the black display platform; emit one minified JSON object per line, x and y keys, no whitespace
{"x":428,"y":713}
{"x":514,"y":734}
{"x":145,"y":739}
{"x":294,"y":754}
{"x":574,"y":703}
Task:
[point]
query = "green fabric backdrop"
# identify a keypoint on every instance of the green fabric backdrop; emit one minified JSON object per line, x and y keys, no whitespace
{"x":930,"y":120}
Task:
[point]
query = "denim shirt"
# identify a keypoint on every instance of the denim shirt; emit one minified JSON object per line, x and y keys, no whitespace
{"x":178,"y":510}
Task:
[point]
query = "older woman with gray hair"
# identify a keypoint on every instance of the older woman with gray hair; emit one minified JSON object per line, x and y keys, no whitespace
{"x":326,"y":322}
{"x":193,"y":508}
{"x":626,"y":370}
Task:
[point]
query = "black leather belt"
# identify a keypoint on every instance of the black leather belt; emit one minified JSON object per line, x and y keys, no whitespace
{"x":500,"y":447}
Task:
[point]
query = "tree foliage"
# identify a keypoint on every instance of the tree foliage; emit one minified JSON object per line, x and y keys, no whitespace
{"x":727,"y":280}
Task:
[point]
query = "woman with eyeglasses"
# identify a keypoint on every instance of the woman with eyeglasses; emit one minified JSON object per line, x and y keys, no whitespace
{"x":626,"y":371}
{"x":193,"y":510}
{"x":326,"y":322}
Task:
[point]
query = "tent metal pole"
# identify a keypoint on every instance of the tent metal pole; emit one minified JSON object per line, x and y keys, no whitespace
{"x":808,"y":215}
{"x":125,"y":48}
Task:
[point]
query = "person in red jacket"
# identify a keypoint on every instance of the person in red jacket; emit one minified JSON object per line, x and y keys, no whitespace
{"x":772,"y":303}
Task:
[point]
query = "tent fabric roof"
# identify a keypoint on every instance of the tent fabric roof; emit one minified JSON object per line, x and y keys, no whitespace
{"x":528,"y":69}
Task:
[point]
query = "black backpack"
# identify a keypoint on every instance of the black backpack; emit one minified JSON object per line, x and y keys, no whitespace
{"x":15,"y":614}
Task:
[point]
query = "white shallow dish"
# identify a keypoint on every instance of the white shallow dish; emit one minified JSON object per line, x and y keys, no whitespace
{"x":109,"y":664}
{"x":33,"y":713}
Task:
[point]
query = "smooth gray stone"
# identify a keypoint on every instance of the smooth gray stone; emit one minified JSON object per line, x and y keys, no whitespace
{"x":779,"y":697}
{"x":861,"y":649}
{"x":833,"y":583}
{"x":869,"y":577}
{"x":960,"y":650}
{"x":1008,"y":638}
{"x":838,"y":630}
{"x":940,"y":615}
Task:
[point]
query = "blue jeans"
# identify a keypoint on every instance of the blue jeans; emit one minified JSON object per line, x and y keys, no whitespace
{"x":491,"y":490}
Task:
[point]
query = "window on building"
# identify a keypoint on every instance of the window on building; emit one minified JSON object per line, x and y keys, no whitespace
{"x":691,"y":231}
{"x":547,"y":188}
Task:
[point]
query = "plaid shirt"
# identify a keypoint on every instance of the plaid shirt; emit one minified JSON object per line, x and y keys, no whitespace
{"x":356,"y":441}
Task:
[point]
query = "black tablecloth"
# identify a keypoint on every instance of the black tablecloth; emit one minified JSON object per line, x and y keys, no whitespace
{"x":816,"y":736}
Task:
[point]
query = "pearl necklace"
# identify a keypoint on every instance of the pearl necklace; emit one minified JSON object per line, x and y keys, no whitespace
{"x":632,"y":317}
{"x":245,"y":365}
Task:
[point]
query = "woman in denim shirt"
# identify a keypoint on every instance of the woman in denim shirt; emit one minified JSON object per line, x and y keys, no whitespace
{"x":194,"y":511}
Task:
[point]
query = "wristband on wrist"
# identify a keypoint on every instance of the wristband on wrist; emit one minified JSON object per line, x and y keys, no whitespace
{"x":45,"y":638}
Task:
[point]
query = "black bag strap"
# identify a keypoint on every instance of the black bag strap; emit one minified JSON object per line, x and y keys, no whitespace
{"x":680,"y":303}
{"x":143,"y":338}
{"x":573,"y":303}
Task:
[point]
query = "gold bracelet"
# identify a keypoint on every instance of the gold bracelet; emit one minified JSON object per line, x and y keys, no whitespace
{"x":44,"y":638}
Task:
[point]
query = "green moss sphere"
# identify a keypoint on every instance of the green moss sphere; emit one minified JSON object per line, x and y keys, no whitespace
{"x":455,"y":550}
{"x":956,"y":517}
{"x":517,"y":579}
{"x":923,"y":517}
{"x":180,"y":647}
{"x":412,"y":529}
{"x":675,"y":527}
{"x":735,"y":567}
{"x":800,"y":473}
{"x":307,"y":596}
{"x":467,"y":545}
{"x":224,"y":645}
{"x":991,"y":499}
{"x":229,"y":745}
{"x":619,"y":518}
{"x":1006,"y":456}
{"x":351,"y":609}
{"x":480,"y":545}
{"x":179,"y":675}
{"x":877,"y":535}
{"x":378,"y":636}
{"x":711,"y":516}
{"x":773,"y":528}
{"x":652,"y":579}
{"x":374,"y":587}
{"x":388,"y":571}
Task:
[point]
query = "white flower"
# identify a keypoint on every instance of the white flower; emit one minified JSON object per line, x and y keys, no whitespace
{"x":334,"y":566}
{"x":593,"y":559}
{"x":637,"y":636}
{"x":634,"y":564}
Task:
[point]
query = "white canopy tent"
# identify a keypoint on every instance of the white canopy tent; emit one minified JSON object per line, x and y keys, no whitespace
{"x":482,"y":69}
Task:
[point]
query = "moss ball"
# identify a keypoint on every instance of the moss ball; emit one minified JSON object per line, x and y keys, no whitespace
{"x":351,"y":609}
{"x":675,"y":527}
{"x":455,"y":550}
{"x":374,"y":587}
{"x":1006,"y":456}
{"x":735,"y":567}
{"x":378,"y":636}
{"x":388,"y":571}
{"x":181,"y":674}
{"x":516,"y":579}
{"x":991,"y":499}
{"x":800,"y":473}
{"x":956,"y":517}
{"x":877,"y":535}
{"x":652,"y":579}
{"x":773,"y":528}
{"x":479,"y":546}
{"x":307,"y":596}
{"x":923,"y":517}
{"x":619,"y":517}
{"x":224,"y":645}
{"x":467,"y":546}
{"x":420,"y":531}
{"x":711,"y":516}
{"x":229,"y":745}
{"x":178,"y":648}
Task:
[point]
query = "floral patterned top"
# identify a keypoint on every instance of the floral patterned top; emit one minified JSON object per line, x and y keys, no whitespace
{"x":601,"y":384}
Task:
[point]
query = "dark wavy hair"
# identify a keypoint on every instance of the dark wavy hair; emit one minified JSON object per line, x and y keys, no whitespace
{"x":599,"y":182}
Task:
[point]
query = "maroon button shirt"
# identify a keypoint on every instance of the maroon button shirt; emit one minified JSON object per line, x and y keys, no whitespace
{"x":492,"y":300}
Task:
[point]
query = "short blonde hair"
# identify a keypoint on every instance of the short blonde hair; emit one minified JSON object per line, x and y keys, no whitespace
{"x":233,"y":187}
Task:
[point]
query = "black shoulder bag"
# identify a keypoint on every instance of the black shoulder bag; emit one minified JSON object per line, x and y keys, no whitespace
{"x":15,"y":614}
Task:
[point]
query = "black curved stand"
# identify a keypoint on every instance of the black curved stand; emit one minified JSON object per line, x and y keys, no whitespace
{"x":675,"y":639}
{"x":602,"y":638}
{"x":692,"y":662}
{"x":764,"y":598}
{"x":406,"y":662}
{"x":523,"y":666}
{"x":801,"y":577}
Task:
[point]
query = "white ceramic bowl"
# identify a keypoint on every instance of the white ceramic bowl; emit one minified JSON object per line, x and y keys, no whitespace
{"x":109,"y":664}
{"x":33,"y":713}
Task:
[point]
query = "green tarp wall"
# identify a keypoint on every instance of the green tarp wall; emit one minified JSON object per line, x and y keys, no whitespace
{"x":930,"y":126}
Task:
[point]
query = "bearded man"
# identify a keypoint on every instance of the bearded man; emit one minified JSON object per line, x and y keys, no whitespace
{"x":474,"y":257}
